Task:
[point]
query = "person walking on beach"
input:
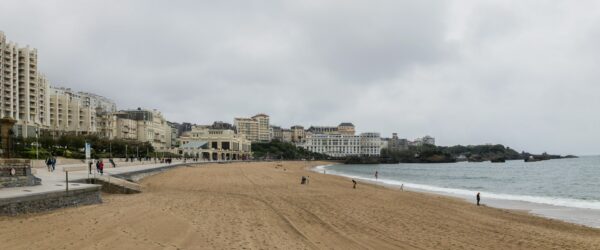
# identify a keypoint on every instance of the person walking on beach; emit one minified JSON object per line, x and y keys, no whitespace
{"x":478,"y":198}
{"x":402,"y":187}
{"x":354,"y":182}
{"x":53,"y":163}
{"x":49,"y":164}
{"x":376,"y":175}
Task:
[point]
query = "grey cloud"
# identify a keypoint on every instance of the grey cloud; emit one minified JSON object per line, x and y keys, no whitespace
{"x":522,"y":73}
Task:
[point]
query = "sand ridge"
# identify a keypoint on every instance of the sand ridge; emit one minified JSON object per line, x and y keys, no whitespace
{"x":263,"y":206}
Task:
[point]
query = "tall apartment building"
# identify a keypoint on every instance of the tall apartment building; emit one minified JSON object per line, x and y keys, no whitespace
{"x":23,"y":89}
{"x":339,"y":145}
{"x":256,"y":129}
{"x":69,"y":113}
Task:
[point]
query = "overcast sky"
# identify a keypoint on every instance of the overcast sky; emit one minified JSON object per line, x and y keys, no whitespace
{"x":521,"y":73}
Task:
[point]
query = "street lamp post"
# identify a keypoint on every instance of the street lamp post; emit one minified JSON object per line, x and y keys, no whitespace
{"x":37,"y":143}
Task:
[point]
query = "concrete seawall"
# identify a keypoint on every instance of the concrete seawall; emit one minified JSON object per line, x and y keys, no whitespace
{"x":40,"y":202}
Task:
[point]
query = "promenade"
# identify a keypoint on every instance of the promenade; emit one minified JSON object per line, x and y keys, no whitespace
{"x":54,"y":184}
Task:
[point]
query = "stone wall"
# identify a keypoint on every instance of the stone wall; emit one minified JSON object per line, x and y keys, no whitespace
{"x":16,"y":173}
{"x":49,"y":201}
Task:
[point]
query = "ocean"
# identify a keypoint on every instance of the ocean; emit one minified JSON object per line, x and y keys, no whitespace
{"x":564,"y":189}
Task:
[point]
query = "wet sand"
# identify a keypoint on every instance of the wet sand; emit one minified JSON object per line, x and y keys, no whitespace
{"x":263,"y":206}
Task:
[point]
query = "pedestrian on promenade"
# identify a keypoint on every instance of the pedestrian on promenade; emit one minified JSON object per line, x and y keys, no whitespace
{"x":101,"y":167}
{"x":112,"y":162}
{"x":354,"y":182}
{"x":90,"y":166}
{"x":53,"y":163}
{"x":478,"y":198}
{"x":376,"y":175}
{"x":49,"y":164}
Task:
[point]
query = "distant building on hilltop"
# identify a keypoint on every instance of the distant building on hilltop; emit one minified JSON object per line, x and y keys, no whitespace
{"x":222,"y":125}
{"x":396,"y":144}
{"x":423,"y":141}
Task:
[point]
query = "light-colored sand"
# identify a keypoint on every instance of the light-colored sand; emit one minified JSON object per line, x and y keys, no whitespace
{"x":259,"y":206}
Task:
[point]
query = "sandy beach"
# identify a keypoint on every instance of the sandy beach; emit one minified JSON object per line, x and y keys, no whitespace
{"x":263,"y":206}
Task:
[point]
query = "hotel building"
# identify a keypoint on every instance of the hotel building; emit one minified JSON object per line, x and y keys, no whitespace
{"x":339,"y":145}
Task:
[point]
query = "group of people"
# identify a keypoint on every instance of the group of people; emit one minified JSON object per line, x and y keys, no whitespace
{"x":100,"y":165}
{"x":51,"y":163}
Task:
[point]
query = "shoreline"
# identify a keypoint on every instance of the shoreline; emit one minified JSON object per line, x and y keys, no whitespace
{"x":580,"y":216}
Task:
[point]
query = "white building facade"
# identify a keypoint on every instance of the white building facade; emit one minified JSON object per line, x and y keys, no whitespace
{"x":23,"y":89}
{"x":207,"y":143}
{"x":340,"y":145}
